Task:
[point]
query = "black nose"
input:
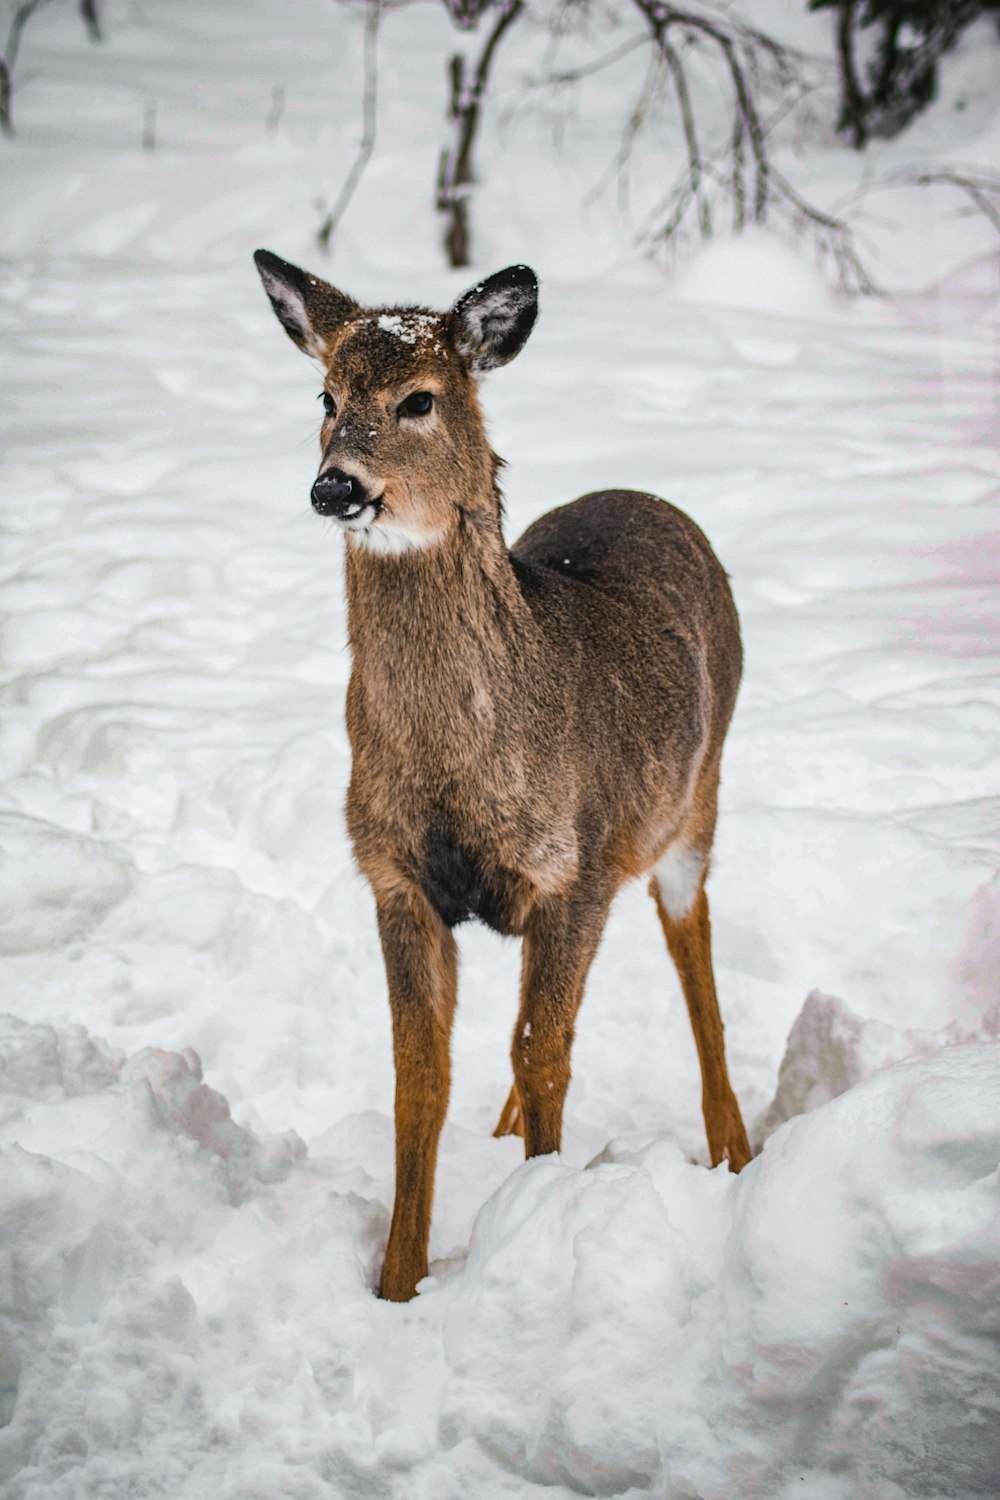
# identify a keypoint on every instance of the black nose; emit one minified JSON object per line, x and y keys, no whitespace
{"x":337,"y":494}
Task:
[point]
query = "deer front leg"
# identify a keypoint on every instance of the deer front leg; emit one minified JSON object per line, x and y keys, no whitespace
{"x":560,"y":941}
{"x":420,"y":967}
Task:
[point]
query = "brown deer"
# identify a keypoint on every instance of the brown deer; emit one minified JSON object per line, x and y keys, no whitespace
{"x":530,"y":727}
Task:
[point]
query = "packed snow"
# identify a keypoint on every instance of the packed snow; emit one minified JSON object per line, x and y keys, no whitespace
{"x":195,"y":1062}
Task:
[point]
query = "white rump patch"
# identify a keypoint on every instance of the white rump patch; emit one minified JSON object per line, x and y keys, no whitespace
{"x":390,"y":538}
{"x":679,"y":873}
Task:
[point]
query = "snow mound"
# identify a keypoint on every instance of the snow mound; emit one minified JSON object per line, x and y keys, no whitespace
{"x":829,"y":1050}
{"x":125,"y":1224}
{"x":755,"y":272}
{"x":575,"y":1315}
{"x":45,"y":1063}
{"x":188,"y":1309}
{"x":175,"y":1098}
{"x":55,"y":887}
{"x":829,"y":1319}
{"x":158,"y":1092}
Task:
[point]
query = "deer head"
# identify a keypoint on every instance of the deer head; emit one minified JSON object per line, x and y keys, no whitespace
{"x":405,"y":453}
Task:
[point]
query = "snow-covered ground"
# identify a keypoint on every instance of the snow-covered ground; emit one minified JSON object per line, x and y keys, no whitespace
{"x":195,"y":1070}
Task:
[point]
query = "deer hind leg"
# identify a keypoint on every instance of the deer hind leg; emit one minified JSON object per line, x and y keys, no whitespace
{"x":420,"y":964}
{"x":511,"y":1121}
{"x":560,"y":941}
{"x":678,"y":887}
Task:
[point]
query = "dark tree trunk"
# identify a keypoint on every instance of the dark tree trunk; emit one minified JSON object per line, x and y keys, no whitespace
{"x":6,"y":123}
{"x":91,"y":19}
{"x":456,"y":173}
{"x":852,"y":103}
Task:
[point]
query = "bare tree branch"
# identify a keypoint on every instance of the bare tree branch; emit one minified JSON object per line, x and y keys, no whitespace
{"x":983,"y":188}
{"x":21,"y":16}
{"x":832,"y":234}
{"x":586,"y":70}
{"x":636,"y":120}
{"x":369,"y":115}
{"x":980,"y":186}
{"x":740,"y":170}
{"x":691,"y":139}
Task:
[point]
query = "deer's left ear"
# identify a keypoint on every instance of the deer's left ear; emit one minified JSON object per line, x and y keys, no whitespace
{"x":491,"y":322}
{"x":307,"y":308}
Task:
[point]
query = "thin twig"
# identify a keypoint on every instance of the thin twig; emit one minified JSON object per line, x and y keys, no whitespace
{"x":587,"y":70}
{"x":978,"y":192}
{"x":834,"y":234}
{"x":369,"y":116}
{"x":690,"y":135}
{"x":277,"y":108}
{"x":623,"y":158}
{"x":21,"y":16}
{"x":979,"y":185}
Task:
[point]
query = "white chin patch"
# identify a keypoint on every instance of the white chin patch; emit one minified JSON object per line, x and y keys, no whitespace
{"x":357,"y":516}
{"x":387,"y":537}
{"x":679,"y":873}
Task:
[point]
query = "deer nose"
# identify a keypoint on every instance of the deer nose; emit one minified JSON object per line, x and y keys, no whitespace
{"x":338,"y":494}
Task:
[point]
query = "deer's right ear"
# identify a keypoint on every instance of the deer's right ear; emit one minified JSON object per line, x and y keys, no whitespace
{"x":307,"y":308}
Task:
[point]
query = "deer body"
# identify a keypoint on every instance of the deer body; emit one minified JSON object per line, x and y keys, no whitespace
{"x":529,"y":728}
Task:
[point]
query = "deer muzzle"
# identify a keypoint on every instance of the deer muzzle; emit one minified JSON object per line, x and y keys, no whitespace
{"x":341,"y":496}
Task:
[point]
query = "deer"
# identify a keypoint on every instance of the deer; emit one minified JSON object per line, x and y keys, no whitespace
{"x":530,"y":727}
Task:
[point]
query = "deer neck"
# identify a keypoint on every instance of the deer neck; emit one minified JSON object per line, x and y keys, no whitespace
{"x":442,"y":637}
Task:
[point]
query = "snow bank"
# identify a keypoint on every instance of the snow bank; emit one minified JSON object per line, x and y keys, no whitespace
{"x":829,"y":1050}
{"x":826,"y":1324}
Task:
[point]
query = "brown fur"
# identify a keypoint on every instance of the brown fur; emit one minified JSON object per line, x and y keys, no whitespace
{"x":530,"y":728}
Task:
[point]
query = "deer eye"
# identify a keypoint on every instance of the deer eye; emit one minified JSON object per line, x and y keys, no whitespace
{"x":417,"y":405}
{"x":329,"y":405}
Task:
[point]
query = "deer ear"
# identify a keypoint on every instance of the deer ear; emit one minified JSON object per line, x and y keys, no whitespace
{"x":308,"y":309}
{"x":491,"y":322}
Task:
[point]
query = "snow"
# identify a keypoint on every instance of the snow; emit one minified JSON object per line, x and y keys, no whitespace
{"x":755,"y":272}
{"x":411,"y":327}
{"x":394,"y":324}
{"x":796,"y":1308}
{"x":195,"y":1060}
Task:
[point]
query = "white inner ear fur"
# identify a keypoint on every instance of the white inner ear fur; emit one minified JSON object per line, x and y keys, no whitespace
{"x":485,"y":320}
{"x":679,"y":873}
{"x":293,"y":311}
